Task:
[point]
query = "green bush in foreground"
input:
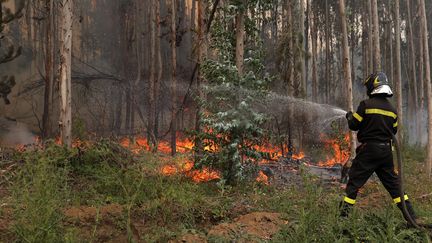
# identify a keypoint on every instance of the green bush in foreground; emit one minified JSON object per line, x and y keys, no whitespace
{"x":39,"y":192}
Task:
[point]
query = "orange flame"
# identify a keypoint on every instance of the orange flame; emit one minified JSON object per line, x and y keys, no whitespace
{"x":262,"y":178}
{"x":203,"y":175}
{"x":341,"y":153}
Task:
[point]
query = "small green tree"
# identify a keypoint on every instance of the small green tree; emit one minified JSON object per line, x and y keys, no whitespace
{"x":8,"y":51}
{"x":232,"y":127}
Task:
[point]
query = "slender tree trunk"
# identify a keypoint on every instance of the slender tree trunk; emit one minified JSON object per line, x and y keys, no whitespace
{"x":420,"y":79}
{"x":413,"y":93}
{"x":428,"y":85}
{"x":173,"y":78}
{"x":327,"y":53}
{"x":159,"y":76}
{"x":347,"y":68}
{"x":65,"y":73}
{"x":240,"y":41}
{"x":302,"y":46}
{"x":314,"y":35}
{"x":370,"y":36}
{"x":398,"y":78}
{"x":153,"y":65}
{"x":375,"y":37}
{"x":49,"y":70}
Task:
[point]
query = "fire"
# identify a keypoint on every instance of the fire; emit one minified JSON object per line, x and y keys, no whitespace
{"x":341,"y":152}
{"x":262,"y":178}
{"x":202,"y":175}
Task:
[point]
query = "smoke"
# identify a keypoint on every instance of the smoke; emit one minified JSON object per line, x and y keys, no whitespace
{"x":13,"y":133}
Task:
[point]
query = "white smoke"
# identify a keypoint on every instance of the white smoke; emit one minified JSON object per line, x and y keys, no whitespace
{"x":13,"y":133}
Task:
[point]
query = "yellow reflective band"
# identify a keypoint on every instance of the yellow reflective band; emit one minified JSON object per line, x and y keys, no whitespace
{"x":376,"y":82}
{"x":349,"y":200}
{"x":381,"y":112}
{"x":395,"y":124}
{"x":358,"y":117}
{"x":398,"y":199}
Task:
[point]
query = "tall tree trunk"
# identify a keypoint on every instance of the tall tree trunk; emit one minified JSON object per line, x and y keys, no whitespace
{"x":347,"y":68}
{"x":398,"y":78}
{"x":240,"y":41}
{"x":314,"y":37}
{"x":173,"y":78}
{"x":413,"y":92}
{"x":370,"y":36}
{"x":159,"y":76}
{"x":375,"y":37}
{"x":428,"y":85}
{"x":327,"y":53}
{"x":153,"y":65}
{"x":49,"y":70}
{"x":302,"y":47}
{"x":65,"y":73}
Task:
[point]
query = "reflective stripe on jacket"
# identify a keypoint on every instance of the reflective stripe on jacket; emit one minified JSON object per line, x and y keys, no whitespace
{"x":374,"y":120}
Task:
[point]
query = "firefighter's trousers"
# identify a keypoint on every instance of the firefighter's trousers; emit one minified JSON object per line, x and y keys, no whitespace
{"x":373,"y":157}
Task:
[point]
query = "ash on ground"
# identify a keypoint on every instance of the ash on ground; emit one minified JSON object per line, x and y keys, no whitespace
{"x":287,"y":171}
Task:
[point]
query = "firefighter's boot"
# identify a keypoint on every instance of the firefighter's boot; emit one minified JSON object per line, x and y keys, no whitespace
{"x":345,"y":209}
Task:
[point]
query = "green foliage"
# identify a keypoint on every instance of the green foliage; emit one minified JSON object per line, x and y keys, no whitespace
{"x":232,"y":125}
{"x":39,"y":192}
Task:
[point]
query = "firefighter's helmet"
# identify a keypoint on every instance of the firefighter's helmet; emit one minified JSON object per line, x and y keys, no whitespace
{"x":377,"y":84}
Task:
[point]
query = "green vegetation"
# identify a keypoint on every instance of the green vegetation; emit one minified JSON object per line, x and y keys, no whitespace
{"x":124,"y":197}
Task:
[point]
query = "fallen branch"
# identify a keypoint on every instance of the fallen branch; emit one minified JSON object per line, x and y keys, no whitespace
{"x":424,"y":196}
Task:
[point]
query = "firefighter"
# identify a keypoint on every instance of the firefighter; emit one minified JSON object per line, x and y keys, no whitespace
{"x":374,"y":120}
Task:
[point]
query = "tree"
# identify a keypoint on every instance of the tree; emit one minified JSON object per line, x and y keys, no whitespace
{"x":375,"y":37}
{"x":428,"y":84}
{"x":240,"y":39}
{"x":65,"y":72}
{"x":398,"y":79}
{"x":347,"y":68}
{"x":49,"y":69}
{"x":173,"y":77}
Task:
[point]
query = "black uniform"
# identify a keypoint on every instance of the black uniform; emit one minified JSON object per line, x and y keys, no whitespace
{"x":374,"y":120}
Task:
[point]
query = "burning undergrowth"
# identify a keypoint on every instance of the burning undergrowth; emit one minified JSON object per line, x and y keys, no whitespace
{"x":272,"y":164}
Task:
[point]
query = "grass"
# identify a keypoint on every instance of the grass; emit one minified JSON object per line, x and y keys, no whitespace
{"x":161,"y":208}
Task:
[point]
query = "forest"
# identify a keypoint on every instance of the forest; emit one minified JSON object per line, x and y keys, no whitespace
{"x":215,"y":121}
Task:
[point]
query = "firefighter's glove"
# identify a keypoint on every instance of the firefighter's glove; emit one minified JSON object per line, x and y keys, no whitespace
{"x":349,"y":115}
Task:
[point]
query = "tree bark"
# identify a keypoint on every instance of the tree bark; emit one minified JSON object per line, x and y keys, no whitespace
{"x":240,"y":41}
{"x":153,"y":66}
{"x":65,"y":73}
{"x":314,"y":35}
{"x":428,"y":85}
{"x":375,"y":37}
{"x":49,"y":70}
{"x":398,"y":79}
{"x":347,"y":68}
{"x":173,"y":78}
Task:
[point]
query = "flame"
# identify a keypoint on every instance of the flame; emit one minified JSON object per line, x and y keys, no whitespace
{"x":202,"y":175}
{"x":262,"y":178}
{"x":341,"y":152}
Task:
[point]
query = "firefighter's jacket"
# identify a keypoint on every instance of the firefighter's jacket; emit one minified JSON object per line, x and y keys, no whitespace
{"x":375,"y":120}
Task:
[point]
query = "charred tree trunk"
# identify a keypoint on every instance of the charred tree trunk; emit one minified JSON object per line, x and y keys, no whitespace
{"x":159,"y":75}
{"x":65,"y":73}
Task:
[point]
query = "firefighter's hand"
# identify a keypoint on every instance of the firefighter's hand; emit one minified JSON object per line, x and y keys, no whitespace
{"x":349,"y":115}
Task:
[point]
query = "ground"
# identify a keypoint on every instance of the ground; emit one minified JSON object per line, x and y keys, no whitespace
{"x":104,"y":196}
